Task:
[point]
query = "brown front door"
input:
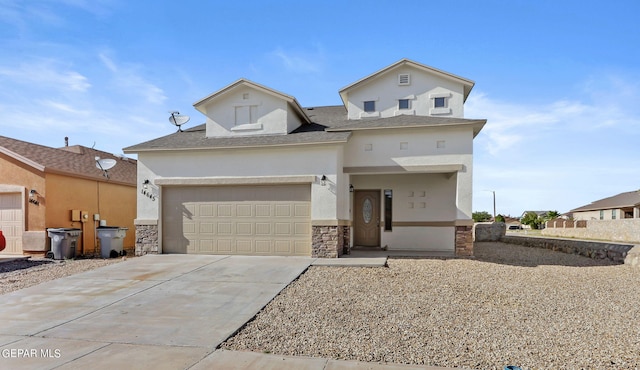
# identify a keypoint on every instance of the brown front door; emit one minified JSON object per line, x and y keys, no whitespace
{"x":366,"y":218}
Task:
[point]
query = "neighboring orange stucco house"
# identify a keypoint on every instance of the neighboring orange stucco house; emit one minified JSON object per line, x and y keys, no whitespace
{"x":41,"y":187}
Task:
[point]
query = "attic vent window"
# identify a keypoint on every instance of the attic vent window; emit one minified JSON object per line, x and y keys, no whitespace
{"x":404,"y":79}
{"x":245,"y":96}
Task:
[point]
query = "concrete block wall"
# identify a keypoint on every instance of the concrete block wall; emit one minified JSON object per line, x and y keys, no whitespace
{"x":624,"y":230}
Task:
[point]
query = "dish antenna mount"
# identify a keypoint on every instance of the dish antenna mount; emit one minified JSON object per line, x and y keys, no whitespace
{"x":178,"y":119}
{"x":105,"y":165}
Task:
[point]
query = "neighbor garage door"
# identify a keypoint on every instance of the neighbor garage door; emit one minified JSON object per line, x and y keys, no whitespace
{"x":11,"y":221}
{"x":254,"y":220}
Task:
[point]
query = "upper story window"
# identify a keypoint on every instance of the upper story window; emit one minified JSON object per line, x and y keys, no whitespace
{"x":246,"y":114}
{"x":370,"y":106}
{"x":403,"y":104}
{"x":404,"y":79}
{"x":439,"y":102}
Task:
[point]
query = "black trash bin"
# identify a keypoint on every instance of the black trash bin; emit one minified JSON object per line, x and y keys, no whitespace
{"x":111,"y":238}
{"x":63,"y":242}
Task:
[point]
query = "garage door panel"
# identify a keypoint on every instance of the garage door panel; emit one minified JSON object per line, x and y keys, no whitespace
{"x":263,"y":210}
{"x":263,"y":220}
{"x":263,"y":228}
{"x":207,"y":228}
{"x":244,"y":246}
{"x":263,"y":246}
{"x":224,"y":246}
{"x":224,"y":210}
{"x":283,"y":246}
{"x":244,"y":228}
{"x":282,"y":228}
{"x":301,"y":210}
{"x":283,"y":210}
{"x":244,"y":210}
{"x":225,"y":228}
{"x":301,"y":228}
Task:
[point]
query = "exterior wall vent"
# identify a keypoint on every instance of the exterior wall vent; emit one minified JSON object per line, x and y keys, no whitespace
{"x":404,"y":79}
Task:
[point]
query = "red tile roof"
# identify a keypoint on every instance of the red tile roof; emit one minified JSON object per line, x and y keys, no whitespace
{"x":77,"y":160}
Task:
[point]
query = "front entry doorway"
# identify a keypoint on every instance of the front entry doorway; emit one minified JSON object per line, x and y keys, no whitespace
{"x":366,"y":228}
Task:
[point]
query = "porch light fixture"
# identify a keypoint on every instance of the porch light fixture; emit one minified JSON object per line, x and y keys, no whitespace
{"x":323,"y":180}
{"x":33,"y":197}
{"x":351,"y":188}
{"x":145,"y":184}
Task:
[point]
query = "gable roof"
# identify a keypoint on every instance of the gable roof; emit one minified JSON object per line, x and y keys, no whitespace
{"x":468,"y":84}
{"x":200,"y":104}
{"x":628,"y":199}
{"x":75,"y":161}
{"x":327,"y":125}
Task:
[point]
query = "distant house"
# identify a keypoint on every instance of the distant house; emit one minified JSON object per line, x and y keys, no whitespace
{"x":390,"y":167}
{"x":40,"y":187}
{"x":539,"y":213}
{"x":624,"y":205}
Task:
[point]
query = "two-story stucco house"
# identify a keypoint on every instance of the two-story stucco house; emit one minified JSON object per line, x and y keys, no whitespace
{"x":391,"y":167}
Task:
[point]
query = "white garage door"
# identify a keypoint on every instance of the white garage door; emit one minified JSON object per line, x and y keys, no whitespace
{"x":11,"y":222}
{"x":254,"y":220}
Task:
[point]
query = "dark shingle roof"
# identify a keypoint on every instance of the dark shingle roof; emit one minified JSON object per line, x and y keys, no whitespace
{"x":328,"y":125}
{"x":628,"y":199}
{"x":74,"y":160}
{"x":405,"y":121}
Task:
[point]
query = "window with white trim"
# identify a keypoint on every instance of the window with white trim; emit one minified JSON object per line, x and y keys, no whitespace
{"x":369,"y":106}
{"x":439,"y":102}
{"x":403,"y":104}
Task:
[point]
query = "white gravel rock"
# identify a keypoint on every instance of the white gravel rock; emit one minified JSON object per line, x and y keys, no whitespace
{"x":20,"y":274}
{"x":511,"y":305}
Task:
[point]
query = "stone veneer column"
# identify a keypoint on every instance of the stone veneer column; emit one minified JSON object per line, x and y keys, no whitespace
{"x":146,"y":239}
{"x":464,"y":241}
{"x":329,"y":241}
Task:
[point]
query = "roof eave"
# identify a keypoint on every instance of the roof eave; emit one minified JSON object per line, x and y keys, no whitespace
{"x":22,"y":159}
{"x":252,"y":146}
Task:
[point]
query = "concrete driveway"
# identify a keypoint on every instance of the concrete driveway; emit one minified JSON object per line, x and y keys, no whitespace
{"x":155,"y":312}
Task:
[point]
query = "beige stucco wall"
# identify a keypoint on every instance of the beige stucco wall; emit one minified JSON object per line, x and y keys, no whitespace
{"x":114,"y":203}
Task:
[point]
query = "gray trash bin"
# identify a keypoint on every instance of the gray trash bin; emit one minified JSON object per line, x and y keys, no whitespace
{"x":63,"y":242}
{"x":111,"y":238}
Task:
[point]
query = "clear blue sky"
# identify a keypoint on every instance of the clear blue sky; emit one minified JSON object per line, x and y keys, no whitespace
{"x":558,"y":81}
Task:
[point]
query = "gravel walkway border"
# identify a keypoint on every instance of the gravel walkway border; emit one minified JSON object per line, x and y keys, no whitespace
{"x":20,"y":274}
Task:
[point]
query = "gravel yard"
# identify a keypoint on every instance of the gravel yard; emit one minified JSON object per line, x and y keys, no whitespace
{"x":512,"y":305}
{"x":19,"y":274}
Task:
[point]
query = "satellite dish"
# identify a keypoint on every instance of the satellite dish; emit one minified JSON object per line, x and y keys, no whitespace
{"x":178,"y":119}
{"x":105,"y":164}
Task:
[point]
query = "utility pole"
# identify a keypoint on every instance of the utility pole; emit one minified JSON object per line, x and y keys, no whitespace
{"x":494,"y":204}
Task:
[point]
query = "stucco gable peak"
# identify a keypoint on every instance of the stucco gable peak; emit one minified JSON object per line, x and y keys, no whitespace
{"x":243,"y":82}
{"x":468,"y":84}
